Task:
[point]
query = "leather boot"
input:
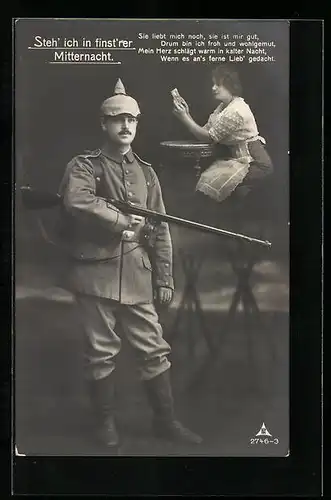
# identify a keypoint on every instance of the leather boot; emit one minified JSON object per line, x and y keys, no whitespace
{"x":164,"y":422}
{"x":102,"y":399}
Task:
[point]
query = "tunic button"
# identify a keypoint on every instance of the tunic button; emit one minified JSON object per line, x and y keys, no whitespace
{"x":127,"y":172}
{"x":98,"y":179}
{"x":167,"y":265}
{"x":129,"y":194}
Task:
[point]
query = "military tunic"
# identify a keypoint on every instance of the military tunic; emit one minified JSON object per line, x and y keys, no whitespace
{"x":113,"y":279}
{"x":97,"y":242}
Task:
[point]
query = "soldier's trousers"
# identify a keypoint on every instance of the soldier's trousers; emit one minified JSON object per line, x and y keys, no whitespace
{"x":141,"y":326}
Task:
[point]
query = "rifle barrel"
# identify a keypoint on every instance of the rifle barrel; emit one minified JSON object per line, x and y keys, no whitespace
{"x":145,"y":212}
{"x":35,"y":199}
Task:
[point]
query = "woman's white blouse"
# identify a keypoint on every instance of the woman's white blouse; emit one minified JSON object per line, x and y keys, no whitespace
{"x":233,"y":124}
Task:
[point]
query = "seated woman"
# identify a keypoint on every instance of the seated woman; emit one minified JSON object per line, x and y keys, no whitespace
{"x":241,"y":160}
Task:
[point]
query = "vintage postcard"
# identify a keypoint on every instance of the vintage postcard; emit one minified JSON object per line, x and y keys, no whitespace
{"x":151,"y":238}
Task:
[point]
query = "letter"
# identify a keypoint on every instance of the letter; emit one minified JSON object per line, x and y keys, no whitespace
{"x":58,"y":56}
{"x":38,"y":41}
{"x":125,"y":43}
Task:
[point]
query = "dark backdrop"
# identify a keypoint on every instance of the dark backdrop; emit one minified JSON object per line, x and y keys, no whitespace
{"x":57,"y":106}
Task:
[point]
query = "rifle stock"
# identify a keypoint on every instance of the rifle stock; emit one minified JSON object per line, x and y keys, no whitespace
{"x":34,"y":199}
{"x":37,"y":200}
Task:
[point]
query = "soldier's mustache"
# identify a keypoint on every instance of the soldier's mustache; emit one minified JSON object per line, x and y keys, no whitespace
{"x":125,"y":132}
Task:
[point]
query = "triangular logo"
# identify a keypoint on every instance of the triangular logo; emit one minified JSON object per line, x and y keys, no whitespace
{"x":263,"y":431}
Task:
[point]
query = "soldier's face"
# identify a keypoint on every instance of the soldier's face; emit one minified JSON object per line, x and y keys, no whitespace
{"x":120,"y":129}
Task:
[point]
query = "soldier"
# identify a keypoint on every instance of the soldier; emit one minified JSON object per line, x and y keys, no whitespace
{"x":115,"y":277}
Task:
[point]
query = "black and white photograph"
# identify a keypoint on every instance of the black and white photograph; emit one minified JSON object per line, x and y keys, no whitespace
{"x":151,"y":238}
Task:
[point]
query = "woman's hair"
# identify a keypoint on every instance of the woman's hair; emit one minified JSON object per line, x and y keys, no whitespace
{"x":228,"y":77}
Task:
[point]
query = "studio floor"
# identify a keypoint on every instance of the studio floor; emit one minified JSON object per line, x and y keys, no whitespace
{"x":225,"y":396}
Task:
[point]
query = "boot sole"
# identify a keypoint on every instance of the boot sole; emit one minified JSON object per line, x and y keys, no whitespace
{"x":114,"y":444}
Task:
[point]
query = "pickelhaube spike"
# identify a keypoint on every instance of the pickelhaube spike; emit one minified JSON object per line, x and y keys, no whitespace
{"x":119,"y":87}
{"x":120,"y":103}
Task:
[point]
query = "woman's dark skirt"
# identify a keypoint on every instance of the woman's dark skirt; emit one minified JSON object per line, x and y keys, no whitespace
{"x":248,"y":193}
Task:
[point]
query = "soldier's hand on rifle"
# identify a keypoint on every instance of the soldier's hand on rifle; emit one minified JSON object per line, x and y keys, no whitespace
{"x":164,"y":295}
{"x":136,"y":222}
{"x":135,"y":219}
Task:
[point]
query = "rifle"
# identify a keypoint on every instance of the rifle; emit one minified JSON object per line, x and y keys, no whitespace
{"x":35,"y":200}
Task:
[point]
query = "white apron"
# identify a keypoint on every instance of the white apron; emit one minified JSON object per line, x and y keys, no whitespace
{"x":225,"y":174}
